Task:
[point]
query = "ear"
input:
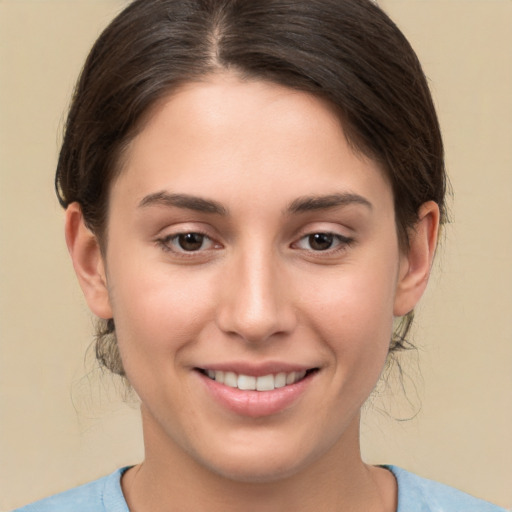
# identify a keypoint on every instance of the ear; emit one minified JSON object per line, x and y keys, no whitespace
{"x":416,"y":263}
{"x":88,"y":262}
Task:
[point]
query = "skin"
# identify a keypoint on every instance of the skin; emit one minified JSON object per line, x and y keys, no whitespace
{"x":255,"y":290}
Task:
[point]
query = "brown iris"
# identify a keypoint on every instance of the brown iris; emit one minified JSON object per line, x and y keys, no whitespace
{"x":190,"y":241}
{"x":320,"y":241}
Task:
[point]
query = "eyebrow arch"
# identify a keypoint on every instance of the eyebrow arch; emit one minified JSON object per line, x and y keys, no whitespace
{"x":186,"y":201}
{"x":312,"y":203}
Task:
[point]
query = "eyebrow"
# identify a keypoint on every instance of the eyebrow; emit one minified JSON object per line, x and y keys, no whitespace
{"x":186,"y":201}
{"x":312,"y":203}
{"x":299,"y":205}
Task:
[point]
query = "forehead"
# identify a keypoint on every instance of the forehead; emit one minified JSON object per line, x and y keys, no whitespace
{"x":244,"y":137}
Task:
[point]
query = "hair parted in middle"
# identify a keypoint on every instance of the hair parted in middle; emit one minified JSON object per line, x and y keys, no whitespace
{"x":347,"y":52}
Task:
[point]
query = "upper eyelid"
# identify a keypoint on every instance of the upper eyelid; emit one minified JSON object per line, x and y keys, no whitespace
{"x":325,"y":227}
{"x":175,"y":233}
{"x":182,"y":228}
{"x":343,"y":231}
{"x":323,"y":231}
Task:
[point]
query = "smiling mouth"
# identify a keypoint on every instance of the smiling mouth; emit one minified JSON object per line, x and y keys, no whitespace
{"x":261,"y":383}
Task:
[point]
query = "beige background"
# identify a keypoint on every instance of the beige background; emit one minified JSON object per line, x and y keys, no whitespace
{"x":62,"y":424}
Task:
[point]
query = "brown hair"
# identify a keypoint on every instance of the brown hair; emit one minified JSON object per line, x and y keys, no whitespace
{"x":347,"y":52}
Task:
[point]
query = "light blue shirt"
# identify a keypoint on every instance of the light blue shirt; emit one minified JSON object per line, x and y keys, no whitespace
{"x":415,"y":494}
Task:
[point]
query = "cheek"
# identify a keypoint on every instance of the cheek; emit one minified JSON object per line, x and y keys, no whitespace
{"x":358,"y":299}
{"x":157,"y":311}
{"x":353,"y":314}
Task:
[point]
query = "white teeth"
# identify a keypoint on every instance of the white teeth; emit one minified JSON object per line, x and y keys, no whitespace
{"x":251,"y":383}
{"x":246,"y":382}
{"x":280,"y":380}
{"x":300,"y":375}
{"x":231,"y":379}
{"x":265,"y":383}
{"x":290,"y":378}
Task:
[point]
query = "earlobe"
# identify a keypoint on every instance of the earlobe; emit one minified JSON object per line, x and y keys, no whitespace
{"x":416,"y":263}
{"x":88,"y":262}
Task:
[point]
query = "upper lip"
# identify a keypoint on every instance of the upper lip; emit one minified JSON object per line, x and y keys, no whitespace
{"x":257,"y":370}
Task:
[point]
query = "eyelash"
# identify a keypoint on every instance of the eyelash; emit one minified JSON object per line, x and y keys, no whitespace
{"x":165,"y":243}
{"x":341,"y":243}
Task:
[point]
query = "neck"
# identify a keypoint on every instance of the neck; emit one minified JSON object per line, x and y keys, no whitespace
{"x":171,"y":479}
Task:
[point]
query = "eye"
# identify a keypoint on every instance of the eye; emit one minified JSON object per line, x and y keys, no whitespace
{"x":323,"y":242}
{"x":186,"y":242}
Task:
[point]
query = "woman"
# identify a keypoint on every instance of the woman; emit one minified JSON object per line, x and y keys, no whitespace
{"x":253,"y":192}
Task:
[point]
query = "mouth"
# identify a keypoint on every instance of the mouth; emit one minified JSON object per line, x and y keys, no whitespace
{"x":262,"y":383}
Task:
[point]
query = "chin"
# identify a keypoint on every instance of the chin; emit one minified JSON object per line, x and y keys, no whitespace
{"x":259,"y":462}
{"x":257,"y":471}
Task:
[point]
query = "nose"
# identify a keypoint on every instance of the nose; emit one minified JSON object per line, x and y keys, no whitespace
{"x":256,"y":303}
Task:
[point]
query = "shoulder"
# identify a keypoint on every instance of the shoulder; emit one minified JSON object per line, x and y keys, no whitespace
{"x":103,"y":495}
{"x":417,"y":494}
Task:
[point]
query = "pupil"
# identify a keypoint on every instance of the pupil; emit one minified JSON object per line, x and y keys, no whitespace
{"x":320,"y":241}
{"x":191,"y":241}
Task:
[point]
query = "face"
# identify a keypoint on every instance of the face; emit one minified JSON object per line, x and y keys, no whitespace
{"x":253,"y":272}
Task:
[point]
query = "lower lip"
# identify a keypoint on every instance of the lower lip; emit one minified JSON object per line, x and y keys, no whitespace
{"x":255,"y":404}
